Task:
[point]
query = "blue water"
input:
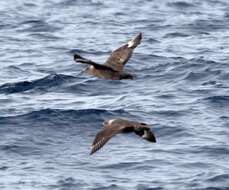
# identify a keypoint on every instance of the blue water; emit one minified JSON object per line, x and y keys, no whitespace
{"x":50,"y":110}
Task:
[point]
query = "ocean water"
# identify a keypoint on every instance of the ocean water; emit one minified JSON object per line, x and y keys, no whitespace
{"x":50,"y":111}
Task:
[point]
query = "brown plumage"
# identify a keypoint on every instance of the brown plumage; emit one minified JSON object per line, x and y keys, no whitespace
{"x":113,"y":67}
{"x":115,"y":126}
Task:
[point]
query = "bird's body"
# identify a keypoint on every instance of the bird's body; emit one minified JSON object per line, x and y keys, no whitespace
{"x":116,"y":126}
{"x":113,"y":67}
{"x":105,"y":74}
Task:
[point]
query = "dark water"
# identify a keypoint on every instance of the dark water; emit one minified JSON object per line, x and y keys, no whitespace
{"x":50,"y":111}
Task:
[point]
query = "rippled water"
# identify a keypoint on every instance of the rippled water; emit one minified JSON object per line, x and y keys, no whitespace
{"x":50,"y":110}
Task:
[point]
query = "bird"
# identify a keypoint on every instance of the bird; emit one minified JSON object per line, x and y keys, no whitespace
{"x":112,"y":69}
{"x":115,"y":126}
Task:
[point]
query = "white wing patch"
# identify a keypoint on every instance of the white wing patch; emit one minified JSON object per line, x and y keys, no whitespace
{"x":130,"y":43}
{"x":121,"y":60}
{"x":111,"y":121}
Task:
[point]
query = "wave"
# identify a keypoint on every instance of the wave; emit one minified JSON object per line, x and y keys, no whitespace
{"x":59,"y":116}
{"x":219,"y":178}
{"x":80,"y":3}
{"x":62,"y":83}
{"x":168,"y":132}
{"x":146,"y":187}
{"x":211,"y":150}
{"x":205,"y":26}
{"x":171,"y":113}
{"x":37,"y":26}
{"x":120,"y":165}
{"x":43,"y":84}
{"x":196,"y":76}
{"x":72,"y":183}
{"x":176,"y":34}
{"x":211,"y":82}
{"x":224,"y":100}
{"x":180,"y":5}
{"x":3,"y":168}
{"x":24,"y":150}
{"x":87,"y":52}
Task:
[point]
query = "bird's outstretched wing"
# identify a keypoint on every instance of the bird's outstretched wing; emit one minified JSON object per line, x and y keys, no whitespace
{"x":104,"y":135}
{"x":120,"y":56}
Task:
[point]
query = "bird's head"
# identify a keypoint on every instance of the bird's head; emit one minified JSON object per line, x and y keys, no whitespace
{"x":149,"y":136}
{"x":147,"y":133}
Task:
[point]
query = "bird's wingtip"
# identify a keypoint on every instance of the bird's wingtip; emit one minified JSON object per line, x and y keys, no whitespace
{"x":135,"y":41}
{"x":92,"y":151}
{"x":139,"y":36}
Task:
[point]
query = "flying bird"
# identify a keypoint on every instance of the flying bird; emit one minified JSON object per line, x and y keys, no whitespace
{"x":115,"y":126}
{"x":113,"y":67}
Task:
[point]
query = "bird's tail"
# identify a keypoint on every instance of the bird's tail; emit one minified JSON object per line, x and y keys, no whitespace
{"x":135,"y":41}
{"x":80,"y":59}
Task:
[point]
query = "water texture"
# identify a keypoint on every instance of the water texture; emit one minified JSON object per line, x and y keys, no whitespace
{"x":50,"y":110}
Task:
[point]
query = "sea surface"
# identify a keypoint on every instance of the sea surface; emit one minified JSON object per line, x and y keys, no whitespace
{"x":50,"y":110}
